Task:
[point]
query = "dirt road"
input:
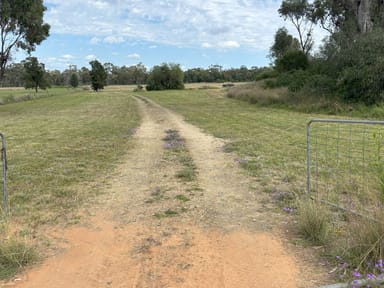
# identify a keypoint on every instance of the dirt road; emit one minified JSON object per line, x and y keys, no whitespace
{"x":152,"y":229}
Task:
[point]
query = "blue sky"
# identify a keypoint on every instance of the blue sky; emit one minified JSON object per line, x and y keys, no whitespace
{"x":192,"y":33}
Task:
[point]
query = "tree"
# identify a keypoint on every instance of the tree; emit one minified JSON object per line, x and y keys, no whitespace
{"x":74,"y":81}
{"x":21,"y":27}
{"x":98,"y":75}
{"x":165,"y":76}
{"x":34,"y":75}
{"x":85,"y":77}
{"x":298,"y":12}
{"x":284,"y":42}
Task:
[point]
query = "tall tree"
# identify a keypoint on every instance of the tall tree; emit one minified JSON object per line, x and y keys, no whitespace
{"x":298,"y":12}
{"x":98,"y":75}
{"x":21,"y":27}
{"x":34,"y":75}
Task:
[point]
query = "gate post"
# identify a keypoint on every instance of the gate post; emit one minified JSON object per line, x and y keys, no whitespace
{"x":4,"y":163}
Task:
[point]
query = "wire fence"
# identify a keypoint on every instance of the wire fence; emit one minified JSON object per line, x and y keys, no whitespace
{"x":345,"y":164}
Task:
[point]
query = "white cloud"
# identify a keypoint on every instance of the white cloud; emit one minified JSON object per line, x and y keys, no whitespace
{"x":112,"y":39}
{"x":229,"y":45}
{"x":181,"y":23}
{"x":68,"y":57}
{"x":95,"y":40}
{"x":90,"y":57}
{"x":206,"y":45}
{"x":134,"y":56}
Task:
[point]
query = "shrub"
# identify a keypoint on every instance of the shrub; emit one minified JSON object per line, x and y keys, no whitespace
{"x":292,"y":60}
{"x":266,"y":73}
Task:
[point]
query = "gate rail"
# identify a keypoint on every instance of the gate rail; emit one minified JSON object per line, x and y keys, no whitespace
{"x":345,"y":163}
{"x":4,"y":174}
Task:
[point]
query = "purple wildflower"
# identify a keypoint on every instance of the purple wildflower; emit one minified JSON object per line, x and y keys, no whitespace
{"x":356,"y":274}
{"x":288,"y":209}
{"x":371,"y":276}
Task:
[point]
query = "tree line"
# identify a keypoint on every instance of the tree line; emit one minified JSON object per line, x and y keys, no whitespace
{"x":22,"y":75}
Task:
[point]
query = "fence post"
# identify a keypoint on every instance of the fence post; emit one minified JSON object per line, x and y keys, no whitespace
{"x":4,"y":163}
{"x":309,"y":156}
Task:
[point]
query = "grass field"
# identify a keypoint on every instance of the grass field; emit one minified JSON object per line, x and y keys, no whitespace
{"x":57,"y":142}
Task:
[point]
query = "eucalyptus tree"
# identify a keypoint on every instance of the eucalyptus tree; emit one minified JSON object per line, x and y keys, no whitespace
{"x":21,"y":27}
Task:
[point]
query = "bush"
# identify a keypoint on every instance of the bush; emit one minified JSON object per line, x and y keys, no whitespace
{"x":292,"y":60}
{"x":266,"y":73}
{"x":166,"y":76}
{"x":363,"y":83}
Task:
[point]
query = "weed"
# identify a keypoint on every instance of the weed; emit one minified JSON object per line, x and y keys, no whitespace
{"x":186,"y":174}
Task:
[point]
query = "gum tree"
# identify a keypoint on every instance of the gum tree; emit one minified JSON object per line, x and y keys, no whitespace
{"x":21,"y":27}
{"x":298,"y":12}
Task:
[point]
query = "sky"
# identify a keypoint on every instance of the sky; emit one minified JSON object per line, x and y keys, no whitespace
{"x":192,"y":33}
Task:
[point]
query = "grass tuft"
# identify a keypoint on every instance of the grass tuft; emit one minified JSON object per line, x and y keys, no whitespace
{"x":14,"y":256}
{"x":313,"y":221}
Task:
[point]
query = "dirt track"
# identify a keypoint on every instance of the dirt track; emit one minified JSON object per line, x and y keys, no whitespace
{"x":216,"y":239}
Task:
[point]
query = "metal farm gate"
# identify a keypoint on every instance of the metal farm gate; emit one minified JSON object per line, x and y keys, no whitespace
{"x":4,"y":174}
{"x":345,"y":163}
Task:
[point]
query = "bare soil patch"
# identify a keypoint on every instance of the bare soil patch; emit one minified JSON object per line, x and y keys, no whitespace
{"x":152,"y":229}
